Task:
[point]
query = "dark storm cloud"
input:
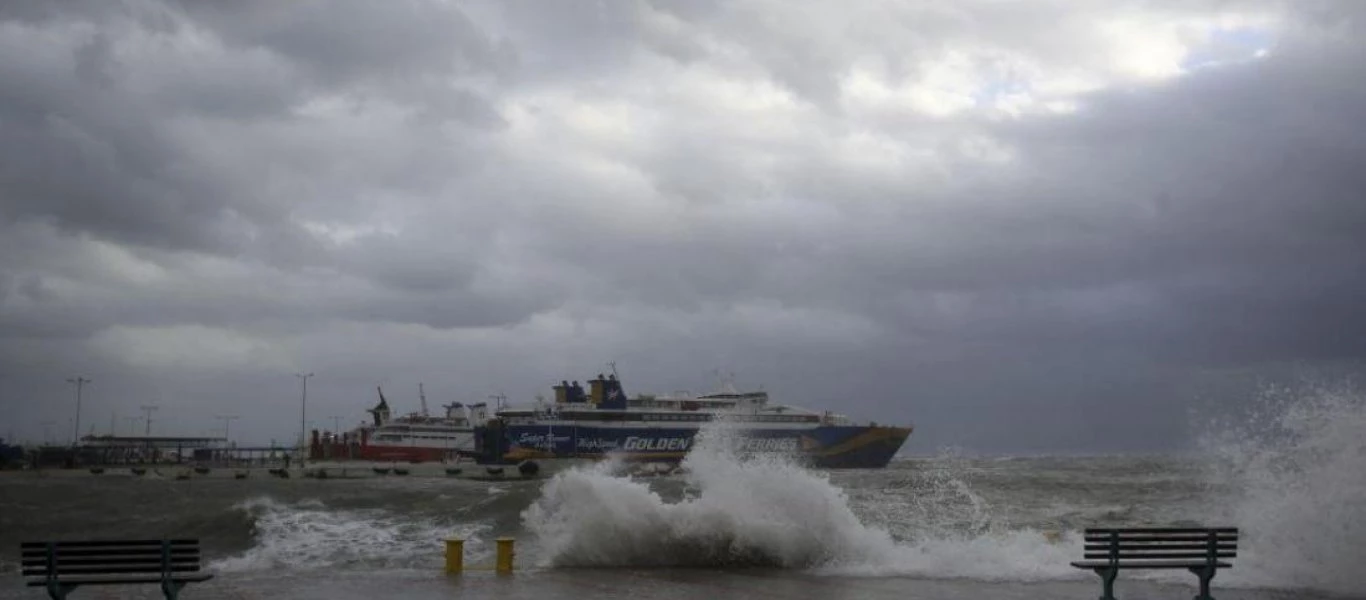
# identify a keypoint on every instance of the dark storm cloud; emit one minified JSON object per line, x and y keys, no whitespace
{"x":357,"y":40}
{"x":1256,"y":205}
{"x":94,"y":144}
{"x":882,"y":210}
{"x":353,"y":46}
{"x":88,"y":154}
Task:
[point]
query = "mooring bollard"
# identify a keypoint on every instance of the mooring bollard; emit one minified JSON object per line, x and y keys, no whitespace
{"x":504,"y":555}
{"x":455,"y":556}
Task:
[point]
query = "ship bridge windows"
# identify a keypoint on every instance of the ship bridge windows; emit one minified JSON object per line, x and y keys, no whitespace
{"x":653,"y":403}
{"x":598,"y":415}
{"x":783,"y":418}
{"x":693,"y":417}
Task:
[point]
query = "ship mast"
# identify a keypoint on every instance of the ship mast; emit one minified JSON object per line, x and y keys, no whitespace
{"x":422,"y":396}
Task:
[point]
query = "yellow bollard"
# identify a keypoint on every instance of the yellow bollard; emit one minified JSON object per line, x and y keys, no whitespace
{"x":455,"y":556}
{"x":504,"y":555}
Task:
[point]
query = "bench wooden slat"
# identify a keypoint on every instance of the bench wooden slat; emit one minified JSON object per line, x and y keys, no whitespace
{"x":1122,"y":552}
{"x":1154,"y":533}
{"x":110,"y":551}
{"x":1123,"y":530}
{"x":1097,"y":554}
{"x":1123,"y":556}
{"x":1150,"y":564}
{"x":1173,"y":546}
{"x":105,"y":543}
{"x":102,"y":555}
{"x":1152,"y":537}
{"x":101,"y":570}
{"x":1156,"y":542}
{"x":108,"y":560}
{"x":113,"y":580}
{"x":68,"y":554}
{"x":1159,"y":532}
{"x":1170,"y":540}
{"x":1141,"y":554}
{"x":108,"y":547}
{"x":36,"y":563}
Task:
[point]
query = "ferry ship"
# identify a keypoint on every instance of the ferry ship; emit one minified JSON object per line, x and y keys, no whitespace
{"x":418,"y":436}
{"x":661,"y":428}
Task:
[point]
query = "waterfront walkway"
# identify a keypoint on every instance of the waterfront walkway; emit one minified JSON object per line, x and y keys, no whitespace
{"x":641,"y":584}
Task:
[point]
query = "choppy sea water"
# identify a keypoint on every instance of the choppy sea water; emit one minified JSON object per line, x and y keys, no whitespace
{"x":946,"y":526}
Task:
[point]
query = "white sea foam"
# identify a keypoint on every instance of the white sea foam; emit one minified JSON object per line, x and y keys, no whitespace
{"x":763,"y":511}
{"x":310,"y":535}
{"x":1295,"y":478}
{"x":947,"y":530}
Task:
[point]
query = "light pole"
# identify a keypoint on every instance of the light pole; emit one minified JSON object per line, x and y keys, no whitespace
{"x":76,"y":431}
{"x":147,"y":409}
{"x":227,"y":420}
{"x":303,"y":412}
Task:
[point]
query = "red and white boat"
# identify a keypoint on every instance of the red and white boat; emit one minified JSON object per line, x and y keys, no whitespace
{"x":418,"y":436}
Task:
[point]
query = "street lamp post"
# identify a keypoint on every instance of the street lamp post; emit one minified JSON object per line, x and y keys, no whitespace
{"x":227,"y":420}
{"x":147,"y":410}
{"x":76,"y":430}
{"x":303,"y":413}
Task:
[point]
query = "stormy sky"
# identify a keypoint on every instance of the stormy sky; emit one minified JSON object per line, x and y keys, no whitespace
{"x":1022,"y":227}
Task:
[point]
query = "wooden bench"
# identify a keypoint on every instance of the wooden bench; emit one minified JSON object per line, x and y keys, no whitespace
{"x":1202,"y":551}
{"x":62,"y":566}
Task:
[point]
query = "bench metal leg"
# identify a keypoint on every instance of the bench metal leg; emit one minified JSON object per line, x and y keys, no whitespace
{"x":1107,"y":580}
{"x":171,"y":589}
{"x":1205,"y":574}
{"x":58,"y":591}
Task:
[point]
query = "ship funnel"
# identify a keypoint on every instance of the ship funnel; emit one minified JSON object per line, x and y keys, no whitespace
{"x":596,"y":389}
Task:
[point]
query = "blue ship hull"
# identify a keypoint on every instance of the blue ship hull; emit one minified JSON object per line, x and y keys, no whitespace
{"x":825,"y":447}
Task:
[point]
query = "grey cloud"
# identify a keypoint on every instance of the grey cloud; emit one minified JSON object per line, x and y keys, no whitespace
{"x":415,"y":268}
{"x":85,"y":149}
{"x":358,"y":190}
{"x":361,"y":40}
{"x":354,"y":46}
{"x":109,"y":165}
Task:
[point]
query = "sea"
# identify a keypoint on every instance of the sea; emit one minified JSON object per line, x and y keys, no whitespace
{"x":945,"y":526}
